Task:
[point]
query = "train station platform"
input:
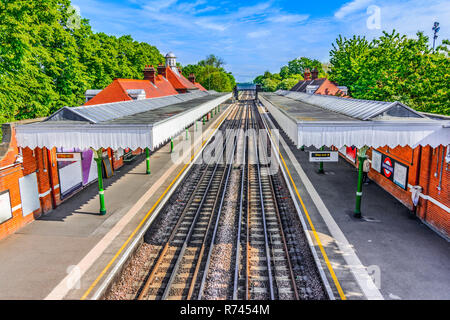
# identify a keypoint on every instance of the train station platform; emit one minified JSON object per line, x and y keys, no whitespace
{"x":389,"y":254}
{"x":69,"y":252}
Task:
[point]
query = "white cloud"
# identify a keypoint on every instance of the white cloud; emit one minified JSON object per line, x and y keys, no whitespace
{"x":351,"y":7}
{"x":258,"y":34}
{"x":157,"y":5}
{"x":289,"y":18}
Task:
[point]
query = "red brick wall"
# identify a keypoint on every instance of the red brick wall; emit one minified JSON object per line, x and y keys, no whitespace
{"x":9,"y":180}
{"x":117,"y":163}
{"x":138,"y":151}
{"x":423,"y":163}
{"x":427,"y":210}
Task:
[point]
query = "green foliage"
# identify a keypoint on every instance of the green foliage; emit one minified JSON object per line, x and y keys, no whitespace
{"x":298,"y":66}
{"x":47,"y":61}
{"x":211,"y":75}
{"x":289,"y":75}
{"x":394,"y":68}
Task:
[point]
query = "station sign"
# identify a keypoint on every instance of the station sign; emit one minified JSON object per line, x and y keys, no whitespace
{"x":323,"y":156}
{"x":391,"y":169}
{"x":68,"y":156}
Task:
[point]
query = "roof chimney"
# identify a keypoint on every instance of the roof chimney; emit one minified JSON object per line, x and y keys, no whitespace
{"x":315,"y":73}
{"x":307,"y":74}
{"x":162,"y":70}
{"x":191,"y":78}
{"x":149,"y":73}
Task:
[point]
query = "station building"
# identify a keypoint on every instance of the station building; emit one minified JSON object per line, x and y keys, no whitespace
{"x":409,"y":150}
{"x":35,"y":178}
{"x":312,"y":84}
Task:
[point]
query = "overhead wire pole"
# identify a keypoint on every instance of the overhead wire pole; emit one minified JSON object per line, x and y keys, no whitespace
{"x":436,"y":29}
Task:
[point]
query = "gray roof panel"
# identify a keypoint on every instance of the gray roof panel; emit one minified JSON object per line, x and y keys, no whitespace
{"x":355,"y":108}
{"x":110,"y":111}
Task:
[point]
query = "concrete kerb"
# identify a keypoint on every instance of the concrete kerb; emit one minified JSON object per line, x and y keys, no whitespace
{"x":125,"y":259}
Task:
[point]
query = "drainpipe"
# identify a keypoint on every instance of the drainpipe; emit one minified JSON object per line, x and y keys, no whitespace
{"x":417,"y":182}
{"x":442,"y":168}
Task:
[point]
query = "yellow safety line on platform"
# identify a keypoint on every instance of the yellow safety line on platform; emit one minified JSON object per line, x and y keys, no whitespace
{"x":316,"y":236}
{"x":92,"y":286}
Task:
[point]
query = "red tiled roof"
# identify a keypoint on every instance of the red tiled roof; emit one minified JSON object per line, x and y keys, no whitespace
{"x":112,"y":93}
{"x":179,"y":81}
{"x":165,"y":86}
{"x":117,"y":90}
{"x":198,"y":85}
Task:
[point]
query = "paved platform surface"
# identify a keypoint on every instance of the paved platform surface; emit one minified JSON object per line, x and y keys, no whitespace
{"x":406,"y":258}
{"x":46,"y":258}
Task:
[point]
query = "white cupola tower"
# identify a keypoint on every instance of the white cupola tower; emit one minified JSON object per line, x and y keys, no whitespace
{"x":171,"y":60}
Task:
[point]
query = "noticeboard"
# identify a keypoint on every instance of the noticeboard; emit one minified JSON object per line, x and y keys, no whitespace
{"x":5,"y":206}
{"x":108,"y":167}
{"x":323,"y":156}
{"x":391,"y":169}
{"x":376,"y":161}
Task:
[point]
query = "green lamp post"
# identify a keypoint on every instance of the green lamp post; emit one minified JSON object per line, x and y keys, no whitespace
{"x":98,"y":157}
{"x":361,"y":158}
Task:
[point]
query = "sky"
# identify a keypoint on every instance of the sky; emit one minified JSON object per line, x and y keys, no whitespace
{"x":254,"y":36}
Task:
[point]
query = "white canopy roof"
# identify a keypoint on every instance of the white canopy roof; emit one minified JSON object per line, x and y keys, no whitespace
{"x":312,"y":120}
{"x":149,"y":128}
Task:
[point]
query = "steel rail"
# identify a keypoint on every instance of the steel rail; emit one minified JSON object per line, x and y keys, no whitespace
{"x":192,"y":227}
{"x":280,"y":224}
{"x":226,"y":175}
{"x":216,"y":226}
{"x":247,"y":248}
{"x":163,"y":252}
{"x":238,"y":237}
{"x":263,"y":213}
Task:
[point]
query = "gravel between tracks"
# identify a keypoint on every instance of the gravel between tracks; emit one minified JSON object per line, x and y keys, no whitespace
{"x":133,"y":275}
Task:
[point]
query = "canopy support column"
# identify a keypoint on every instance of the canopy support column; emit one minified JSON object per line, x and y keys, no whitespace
{"x":101,"y":192}
{"x":321,"y":164}
{"x":147,"y":155}
{"x":361,"y":157}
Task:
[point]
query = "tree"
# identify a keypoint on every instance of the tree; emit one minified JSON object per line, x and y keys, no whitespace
{"x":211,"y":75}
{"x":394,"y":68}
{"x":299,"y":65}
{"x":212,"y":60}
{"x":287,"y":83}
{"x":47,"y":62}
{"x":289,"y":74}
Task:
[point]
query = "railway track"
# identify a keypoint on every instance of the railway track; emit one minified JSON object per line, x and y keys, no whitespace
{"x":232,"y":233}
{"x":265,"y":270}
{"x":176,"y":271}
